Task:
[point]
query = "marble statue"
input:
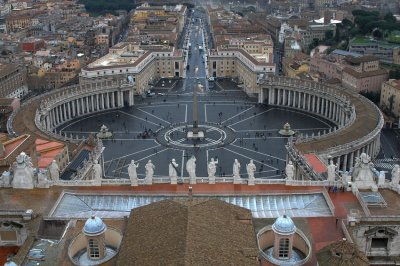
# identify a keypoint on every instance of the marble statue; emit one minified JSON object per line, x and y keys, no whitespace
{"x":133,"y":173}
{"x":289,"y":171}
{"x":173,"y":171}
{"x":191,"y":169}
{"x":97,"y":170}
{"x":212,"y":169}
{"x":395,"y":175}
{"x":149,"y":172}
{"x":381,"y":178}
{"x":5,"y":179}
{"x":363,"y":173}
{"x":236,"y":172}
{"x":251,"y":169}
{"x":23,"y":172}
{"x":43,"y":178}
{"x":54,"y":171}
{"x":331,"y":171}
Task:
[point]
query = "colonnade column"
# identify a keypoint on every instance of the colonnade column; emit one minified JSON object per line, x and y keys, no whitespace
{"x":73,"y":108}
{"x":299,"y":100}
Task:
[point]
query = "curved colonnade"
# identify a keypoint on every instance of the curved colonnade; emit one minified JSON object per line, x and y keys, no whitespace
{"x":359,"y":121}
{"x":75,"y":101}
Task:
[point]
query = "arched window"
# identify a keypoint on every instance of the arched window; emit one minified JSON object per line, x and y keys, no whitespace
{"x":94,"y":250}
{"x":284,"y":248}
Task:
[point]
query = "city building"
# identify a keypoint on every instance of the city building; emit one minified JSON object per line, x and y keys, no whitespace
{"x":355,"y":71}
{"x":363,"y":73}
{"x":60,"y":74}
{"x":12,"y":81}
{"x":390,"y":97}
{"x":7,"y":106}
{"x":32,"y":45}
{"x":297,"y":66}
{"x":128,"y":64}
{"x":384,"y":51}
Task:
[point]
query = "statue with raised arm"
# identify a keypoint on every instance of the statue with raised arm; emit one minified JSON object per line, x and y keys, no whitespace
{"x":149,"y":172}
{"x":331,"y":171}
{"x":173,"y":171}
{"x":191,"y":169}
{"x":289,"y":171}
{"x":133,"y":173}
{"x":54,"y":171}
{"x":236,"y":172}
{"x":97,"y":170}
{"x":395,"y":175}
{"x":251,"y":169}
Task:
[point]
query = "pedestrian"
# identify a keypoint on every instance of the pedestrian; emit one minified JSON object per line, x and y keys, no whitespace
{"x":337,"y":220}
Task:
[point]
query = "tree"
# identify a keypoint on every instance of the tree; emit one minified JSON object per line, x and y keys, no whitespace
{"x":377,"y":33}
{"x":390,"y":18}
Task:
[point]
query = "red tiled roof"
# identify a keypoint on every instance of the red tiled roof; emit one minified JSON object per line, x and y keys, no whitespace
{"x":315,"y":163}
{"x":12,"y":144}
{"x":48,"y":151}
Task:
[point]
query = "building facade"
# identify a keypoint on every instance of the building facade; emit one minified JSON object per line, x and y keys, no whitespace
{"x":12,"y":81}
{"x":138,"y":68}
{"x":390,"y":97}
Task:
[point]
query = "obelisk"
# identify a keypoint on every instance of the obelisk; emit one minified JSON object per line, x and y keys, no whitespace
{"x":195,"y":117}
{"x":195,"y":133}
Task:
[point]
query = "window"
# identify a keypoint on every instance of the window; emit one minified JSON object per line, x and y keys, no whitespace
{"x":379,"y":242}
{"x":94,"y":250}
{"x":284,"y":248}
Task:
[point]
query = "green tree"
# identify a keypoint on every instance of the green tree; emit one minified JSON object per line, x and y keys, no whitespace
{"x":390,"y":18}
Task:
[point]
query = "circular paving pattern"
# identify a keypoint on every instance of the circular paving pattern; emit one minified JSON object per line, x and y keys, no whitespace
{"x":215,"y":136}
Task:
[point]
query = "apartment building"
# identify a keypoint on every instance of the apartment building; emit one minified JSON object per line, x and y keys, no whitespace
{"x":12,"y":81}
{"x":390,"y":97}
{"x":133,"y":66}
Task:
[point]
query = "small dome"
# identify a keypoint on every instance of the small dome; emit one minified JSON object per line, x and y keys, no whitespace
{"x":284,"y":225}
{"x":10,"y":263}
{"x":94,"y":226}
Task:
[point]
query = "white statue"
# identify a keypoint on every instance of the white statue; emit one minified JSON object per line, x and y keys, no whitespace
{"x":173,"y":168}
{"x":363,"y":172}
{"x":149,"y":172}
{"x":97,"y":171}
{"x":54,"y":171}
{"x":331,"y":171}
{"x":23,"y":172}
{"x":381,"y":178}
{"x":236,"y":172}
{"x":212,"y":168}
{"x":289,"y":170}
{"x":43,"y":178}
{"x":395,"y":175}
{"x":133,"y":173}
{"x":173,"y":171}
{"x":251,"y":169}
{"x":191,"y":169}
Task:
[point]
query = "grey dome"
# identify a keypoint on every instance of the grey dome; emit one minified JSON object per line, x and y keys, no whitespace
{"x":94,"y":226}
{"x":284,"y":225}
